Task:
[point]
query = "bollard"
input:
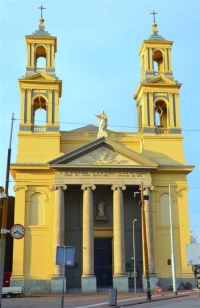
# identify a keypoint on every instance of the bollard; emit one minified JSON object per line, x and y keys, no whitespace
{"x":113,"y":296}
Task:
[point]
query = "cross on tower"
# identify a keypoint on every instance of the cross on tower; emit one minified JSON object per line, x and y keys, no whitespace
{"x":41,"y":8}
{"x":154,"y":13}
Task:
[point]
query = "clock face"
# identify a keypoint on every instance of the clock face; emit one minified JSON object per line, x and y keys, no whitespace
{"x":17,"y":231}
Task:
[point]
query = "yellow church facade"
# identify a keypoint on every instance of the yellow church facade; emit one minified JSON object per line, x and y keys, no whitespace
{"x":79,"y":188}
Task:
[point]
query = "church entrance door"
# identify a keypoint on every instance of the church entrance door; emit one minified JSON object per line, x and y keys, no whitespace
{"x":103,"y":261}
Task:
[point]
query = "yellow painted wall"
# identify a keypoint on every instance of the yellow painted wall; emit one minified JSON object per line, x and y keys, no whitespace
{"x":34,"y":203}
{"x":161,"y":223}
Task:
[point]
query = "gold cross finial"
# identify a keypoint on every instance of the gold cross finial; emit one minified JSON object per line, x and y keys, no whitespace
{"x":41,"y":8}
{"x":154,"y":13}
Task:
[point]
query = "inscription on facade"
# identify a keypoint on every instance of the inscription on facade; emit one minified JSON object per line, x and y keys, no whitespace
{"x":101,"y":174}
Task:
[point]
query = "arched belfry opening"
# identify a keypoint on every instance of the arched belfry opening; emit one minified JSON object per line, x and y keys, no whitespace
{"x":158,"y":61}
{"x":39,"y":111}
{"x":161,"y":113}
{"x":41,"y":57}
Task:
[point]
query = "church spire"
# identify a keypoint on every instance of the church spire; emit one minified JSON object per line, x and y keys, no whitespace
{"x":43,"y":8}
{"x":41,"y":30}
{"x":154,"y":13}
{"x":155,"y":35}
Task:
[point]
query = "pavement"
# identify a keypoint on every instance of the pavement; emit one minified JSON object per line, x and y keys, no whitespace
{"x":186,"y":298}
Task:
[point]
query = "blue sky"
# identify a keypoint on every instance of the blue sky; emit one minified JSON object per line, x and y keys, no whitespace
{"x":97,"y":59}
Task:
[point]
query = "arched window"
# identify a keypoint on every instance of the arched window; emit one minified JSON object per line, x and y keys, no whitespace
{"x":40,"y":57}
{"x":41,"y":64}
{"x":158,"y":62}
{"x":39,"y":111}
{"x":37,"y":210}
{"x":40,"y":117}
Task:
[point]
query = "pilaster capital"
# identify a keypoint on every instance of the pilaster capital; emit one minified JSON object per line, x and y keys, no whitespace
{"x":19,"y":187}
{"x":176,"y":94}
{"x":50,"y":91}
{"x":180,"y":189}
{"x":56,"y":91}
{"x":149,"y":189}
{"x":116,"y":187}
{"x":56,"y":187}
{"x":23,"y":90}
{"x":86,"y":187}
{"x":151,"y":93}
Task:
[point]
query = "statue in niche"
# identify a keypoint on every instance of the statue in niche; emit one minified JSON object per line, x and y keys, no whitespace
{"x":101,"y":209}
{"x":103,"y":121}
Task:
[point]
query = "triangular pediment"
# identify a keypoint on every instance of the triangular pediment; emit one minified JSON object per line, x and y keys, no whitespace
{"x":103,"y":152}
{"x":162,"y":80}
{"x":39,"y":77}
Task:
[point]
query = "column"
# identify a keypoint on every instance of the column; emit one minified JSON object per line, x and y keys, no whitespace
{"x":49,"y":104}
{"x":146,"y":60}
{"x":48,"y":54}
{"x":150,"y":59}
{"x":58,"y":236}
{"x":52,"y":56}
{"x":144,"y":111}
{"x":151,"y":110}
{"x":170,"y":112}
{"x":32,"y":55}
{"x":120,"y":278}
{"x":22,"y":121}
{"x":56,"y":104}
{"x":28,"y":112}
{"x":178,"y":125}
{"x":170,"y":59}
{"x":149,"y":237}
{"x":19,"y":247}
{"x":28,"y":55}
{"x":165,"y":61}
{"x":88,"y":279}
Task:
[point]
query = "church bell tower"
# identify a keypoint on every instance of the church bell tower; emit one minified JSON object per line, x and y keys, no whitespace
{"x":157,"y":97}
{"x":40,"y":92}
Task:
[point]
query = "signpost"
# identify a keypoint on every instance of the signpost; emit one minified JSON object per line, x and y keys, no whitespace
{"x":193,"y":258}
{"x":193,"y":254}
{"x":64,"y":256}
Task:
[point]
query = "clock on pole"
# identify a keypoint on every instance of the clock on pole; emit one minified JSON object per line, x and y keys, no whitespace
{"x":17,"y":231}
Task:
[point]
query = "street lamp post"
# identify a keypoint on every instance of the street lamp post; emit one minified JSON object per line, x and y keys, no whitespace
{"x":3,"y":223}
{"x":145,"y":197}
{"x":134,"y":268}
{"x":145,"y":249}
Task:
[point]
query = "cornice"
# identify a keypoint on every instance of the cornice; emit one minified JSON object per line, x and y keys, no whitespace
{"x":174,"y":169}
{"x":154,"y":85}
{"x":19,"y":166}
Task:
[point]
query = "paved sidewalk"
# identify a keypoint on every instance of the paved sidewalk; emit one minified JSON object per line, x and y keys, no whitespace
{"x":188,"y":299}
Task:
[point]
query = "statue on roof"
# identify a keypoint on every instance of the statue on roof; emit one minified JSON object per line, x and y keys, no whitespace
{"x":103,"y":121}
